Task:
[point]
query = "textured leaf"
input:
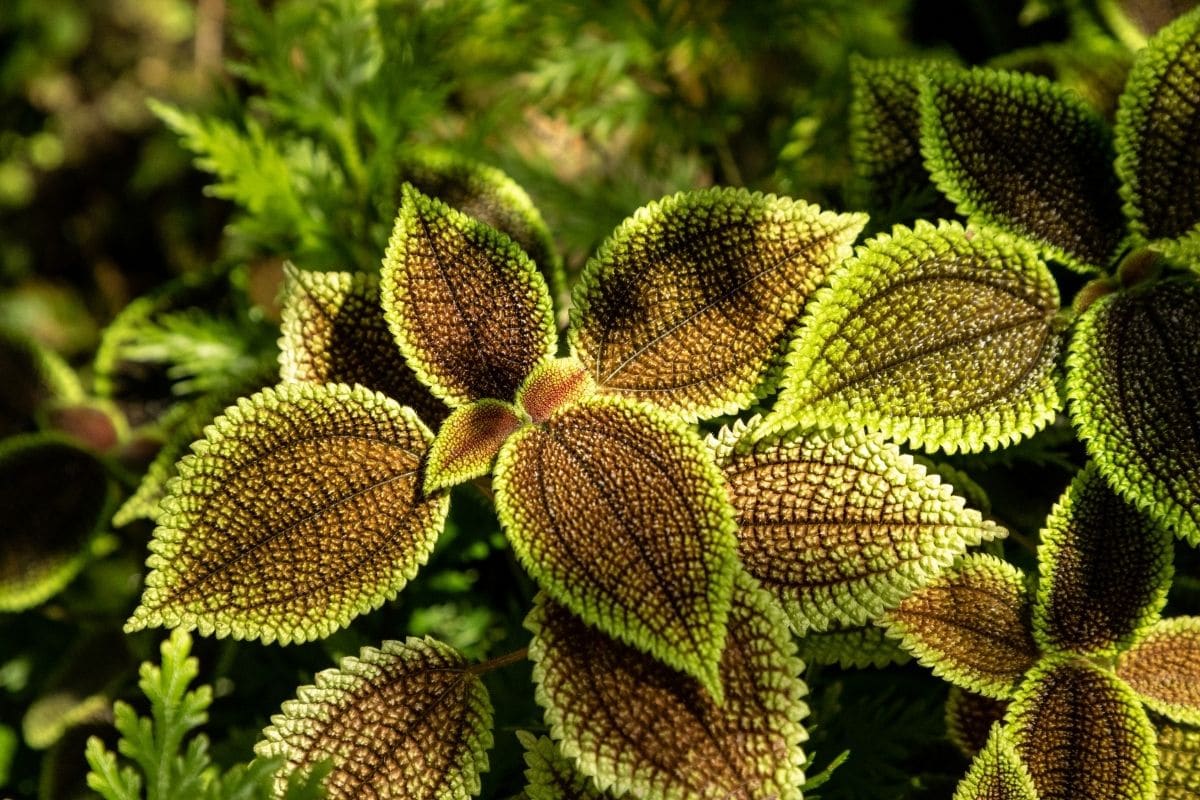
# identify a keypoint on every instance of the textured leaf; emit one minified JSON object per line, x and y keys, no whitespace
{"x":688,"y":302}
{"x":553,"y":385}
{"x":1105,"y":571}
{"x":997,"y":773}
{"x":1023,"y":153}
{"x":971,"y":625}
{"x":1092,"y":66}
{"x":942,"y":336}
{"x":466,"y":305}
{"x":467,"y":443}
{"x":299,"y":510}
{"x":841,"y":528}
{"x":551,"y":776}
{"x":1178,"y":762}
{"x":55,"y":497}
{"x":635,"y":725}
{"x":1158,"y":138}
{"x":408,"y":720}
{"x":1164,"y":669}
{"x":970,"y":718}
{"x":851,"y":648}
{"x":1133,"y":376}
{"x":1082,"y":734}
{"x":334,"y":331}
{"x":618,"y":512}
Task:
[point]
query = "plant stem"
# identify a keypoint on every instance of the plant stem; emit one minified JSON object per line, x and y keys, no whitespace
{"x":499,"y":661}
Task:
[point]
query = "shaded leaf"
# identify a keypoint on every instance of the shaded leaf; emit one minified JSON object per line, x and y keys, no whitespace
{"x":635,"y":725}
{"x":56,"y":498}
{"x":1134,"y":21}
{"x":467,"y":443}
{"x":551,"y":776}
{"x":970,"y":718}
{"x":841,"y":528}
{"x":299,"y":510}
{"x":33,"y":376}
{"x":1178,"y":761}
{"x":1133,"y":376}
{"x":618,"y":512}
{"x":1158,"y":136}
{"x":1092,"y":66}
{"x":466,"y":305}
{"x":851,"y":648}
{"x":1082,"y":734}
{"x":334,"y":331}
{"x":971,"y":625}
{"x":552,"y":385}
{"x":1164,"y":669}
{"x":942,"y":336}
{"x":407,"y":720}
{"x":689,"y":301}
{"x":1105,"y":570}
{"x":997,"y":773}
{"x":1021,"y":152}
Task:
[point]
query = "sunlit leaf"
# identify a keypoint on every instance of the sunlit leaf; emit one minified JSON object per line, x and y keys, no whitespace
{"x":407,"y":721}
{"x":1134,"y":21}
{"x":971,"y":625}
{"x":467,"y":443}
{"x":551,"y":776}
{"x":1023,"y":153}
{"x":1105,"y":567}
{"x":841,"y":528}
{"x":619,"y":513}
{"x":299,"y":510}
{"x":942,"y":336}
{"x":467,"y":307}
{"x":997,"y":773}
{"x":851,"y":648}
{"x":553,"y":385}
{"x":970,"y":718}
{"x":1164,"y":669}
{"x":1178,"y":761}
{"x":635,"y":725}
{"x":1083,"y":734}
{"x":334,"y":332}
{"x":689,"y":301}
{"x":55,"y":497}
{"x":1133,"y":376}
{"x":1158,"y":139}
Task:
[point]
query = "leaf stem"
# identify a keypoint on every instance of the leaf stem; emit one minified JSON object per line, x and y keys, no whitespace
{"x":499,"y":661}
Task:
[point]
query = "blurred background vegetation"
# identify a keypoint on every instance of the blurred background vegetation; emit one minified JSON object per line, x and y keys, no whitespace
{"x":160,"y":159}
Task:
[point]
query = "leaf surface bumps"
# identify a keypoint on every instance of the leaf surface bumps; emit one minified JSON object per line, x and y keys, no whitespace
{"x":1164,"y":669}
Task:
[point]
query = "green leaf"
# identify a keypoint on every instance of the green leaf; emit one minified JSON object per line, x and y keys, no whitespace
{"x":551,"y":776}
{"x":942,"y":336}
{"x":9,"y":741}
{"x":1178,"y":761}
{"x":56,"y":499}
{"x":1091,"y":65}
{"x":466,"y":305}
{"x":689,"y":301}
{"x":851,"y":648}
{"x":970,"y":718}
{"x":618,"y":512}
{"x":554,"y":384}
{"x":1133,"y":376}
{"x":841,"y":528}
{"x":1105,"y":570}
{"x":1134,"y":21}
{"x":299,"y":510}
{"x":407,"y":720}
{"x":467,"y":443}
{"x":997,"y":773}
{"x":635,"y":725}
{"x":971,"y":625}
{"x":1157,"y":139}
{"x":1025,"y":154}
{"x":1164,"y":669}
{"x":34,"y":376}
{"x":334,"y":331}
{"x":1083,"y":734}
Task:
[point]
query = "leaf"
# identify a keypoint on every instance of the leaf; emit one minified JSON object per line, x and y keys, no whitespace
{"x":1133,"y":376}
{"x":971,"y":625}
{"x":689,"y":301}
{"x":334,"y":331}
{"x":840,"y":528}
{"x":997,"y":773}
{"x":851,"y":648}
{"x":408,"y":720}
{"x":34,"y":375}
{"x":1082,"y":734}
{"x":1092,"y":66}
{"x":635,"y":725}
{"x":942,"y":336}
{"x":1025,"y":154}
{"x":298,"y":511}
{"x":1136,"y":20}
{"x":551,"y":776}
{"x":1157,"y":140}
{"x":468,"y":308}
{"x":553,"y":385}
{"x":1178,"y":761}
{"x":56,"y":498}
{"x":970,"y":718}
{"x":618,"y":512}
{"x":467,"y":443}
{"x":1163,"y":669}
{"x":1105,"y":571}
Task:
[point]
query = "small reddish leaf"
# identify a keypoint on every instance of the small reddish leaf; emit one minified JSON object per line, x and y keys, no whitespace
{"x":553,"y":385}
{"x":467,"y":443}
{"x":1164,"y":669}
